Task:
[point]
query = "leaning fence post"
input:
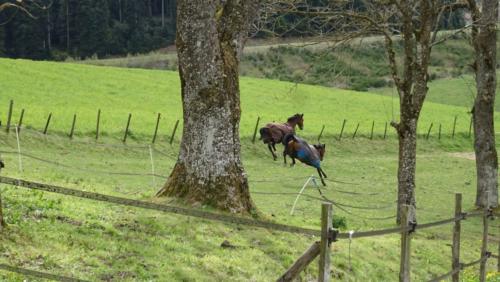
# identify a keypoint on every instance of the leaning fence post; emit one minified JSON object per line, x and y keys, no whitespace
{"x":355,"y":131}
{"x":324,"y":254}
{"x":439,"y":132}
{"x":454,"y":126}
{"x":404,"y":269}
{"x":429,"y":131}
{"x":156,"y":128}
{"x":470,"y":125}
{"x":371,"y":134}
{"x":98,"y":124}
{"x":321,"y":132}
{"x":255,"y":130}
{"x":20,"y":123}
{"x":47,"y":124}
{"x":126,"y":128}
{"x":342,"y":129}
{"x":9,"y":116}
{"x":484,"y":246}
{"x":72,"y":127}
{"x":173,"y":132}
{"x":385,"y":130}
{"x":455,"y":249}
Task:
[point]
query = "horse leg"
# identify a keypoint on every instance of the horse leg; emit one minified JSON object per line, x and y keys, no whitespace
{"x":324,"y":174}
{"x":274,"y":147}
{"x":271,"y":150}
{"x":321,"y":177}
{"x":293,"y":161}
{"x":284,"y":156}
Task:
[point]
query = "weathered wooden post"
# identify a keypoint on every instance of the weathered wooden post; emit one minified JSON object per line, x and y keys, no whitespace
{"x":47,"y":124}
{"x":98,"y":124}
{"x":9,"y":115}
{"x":439,"y":132}
{"x":342,"y":129}
{"x":20,"y":123}
{"x":454,"y":126}
{"x":455,"y":249}
{"x":385,"y":130}
{"x":126,"y":128}
{"x":156,"y":128}
{"x":321,"y":133}
{"x":484,"y":246}
{"x":429,"y":131}
{"x":470,"y":126}
{"x":72,"y":127}
{"x":324,"y":254}
{"x":255,"y":130}
{"x":173,"y":132}
{"x":371,"y":134}
{"x":404,"y":269}
{"x":2,"y":221}
{"x":355,"y":131}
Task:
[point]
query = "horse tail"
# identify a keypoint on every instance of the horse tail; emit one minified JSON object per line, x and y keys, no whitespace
{"x":265,"y":135}
{"x":288,"y":137}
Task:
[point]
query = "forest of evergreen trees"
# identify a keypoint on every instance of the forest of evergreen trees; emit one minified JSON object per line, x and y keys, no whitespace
{"x":84,"y":28}
{"x":57,"y":29}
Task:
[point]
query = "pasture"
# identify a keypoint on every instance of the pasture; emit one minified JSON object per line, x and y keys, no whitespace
{"x":97,"y":241}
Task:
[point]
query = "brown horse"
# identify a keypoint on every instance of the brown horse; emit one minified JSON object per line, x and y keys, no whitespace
{"x":273,"y":133}
{"x":311,"y":155}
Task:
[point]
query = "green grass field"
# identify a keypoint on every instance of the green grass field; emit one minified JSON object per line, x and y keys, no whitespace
{"x":98,"y":241}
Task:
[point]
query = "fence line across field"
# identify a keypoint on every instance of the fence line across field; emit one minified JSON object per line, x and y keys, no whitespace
{"x":326,"y":233}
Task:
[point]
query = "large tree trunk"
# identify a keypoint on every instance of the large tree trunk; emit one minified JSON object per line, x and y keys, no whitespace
{"x":484,"y":40}
{"x":210,"y":36}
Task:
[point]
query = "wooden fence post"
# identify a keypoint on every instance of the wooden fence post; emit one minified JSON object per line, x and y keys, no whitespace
{"x":47,"y":124}
{"x":484,"y":246}
{"x":439,"y":132}
{"x":321,"y":133}
{"x":385,"y":130}
{"x":2,"y":221}
{"x":173,"y":132}
{"x":20,"y":123}
{"x":429,"y":131}
{"x":342,"y":129}
{"x":470,"y":125}
{"x":371,"y":134}
{"x":455,"y":249}
{"x":255,"y":130}
{"x":156,"y":128}
{"x":72,"y":127}
{"x":324,"y":254}
{"x":355,"y":131}
{"x":454,"y":126}
{"x":126,"y":128}
{"x":300,"y":264}
{"x":404,"y":269}
{"x":98,"y":124}
{"x":9,"y":116}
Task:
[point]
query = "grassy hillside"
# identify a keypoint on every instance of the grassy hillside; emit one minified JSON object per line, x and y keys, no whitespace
{"x":66,"y":89}
{"x":105,"y":242}
{"x":359,"y":65}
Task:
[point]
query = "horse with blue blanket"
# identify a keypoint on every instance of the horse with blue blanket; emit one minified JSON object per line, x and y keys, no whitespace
{"x":311,"y":155}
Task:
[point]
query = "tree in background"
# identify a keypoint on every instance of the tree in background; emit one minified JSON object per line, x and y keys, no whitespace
{"x":210,"y":40}
{"x":413,"y":24}
{"x":484,"y":38}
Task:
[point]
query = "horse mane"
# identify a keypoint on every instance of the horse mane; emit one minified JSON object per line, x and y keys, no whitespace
{"x":294,"y":117}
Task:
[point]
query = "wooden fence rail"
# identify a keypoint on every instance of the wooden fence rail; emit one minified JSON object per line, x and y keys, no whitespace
{"x":327,"y":234}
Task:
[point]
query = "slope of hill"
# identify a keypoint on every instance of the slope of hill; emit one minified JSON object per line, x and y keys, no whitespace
{"x":99,"y":241}
{"x":67,"y":89}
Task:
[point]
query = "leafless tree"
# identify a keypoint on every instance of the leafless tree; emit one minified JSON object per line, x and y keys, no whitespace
{"x":413,"y":24}
{"x":210,"y":40}
{"x":484,"y":38}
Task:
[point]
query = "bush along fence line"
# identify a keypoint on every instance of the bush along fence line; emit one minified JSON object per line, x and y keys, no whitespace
{"x":342,"y":134}
{"x":322,"y":248}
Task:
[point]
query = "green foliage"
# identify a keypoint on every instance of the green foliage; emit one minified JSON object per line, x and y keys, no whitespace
{"x":339,"y":222}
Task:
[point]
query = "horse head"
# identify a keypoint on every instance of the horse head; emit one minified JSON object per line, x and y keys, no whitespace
{"x":297,"y":119}
{"x":321,"y":150}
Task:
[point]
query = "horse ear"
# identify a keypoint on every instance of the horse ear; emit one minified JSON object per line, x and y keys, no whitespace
{"x":301,"y":115}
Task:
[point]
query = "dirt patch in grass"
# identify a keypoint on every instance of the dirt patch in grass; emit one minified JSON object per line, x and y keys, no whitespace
{"x":465,"y":155}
